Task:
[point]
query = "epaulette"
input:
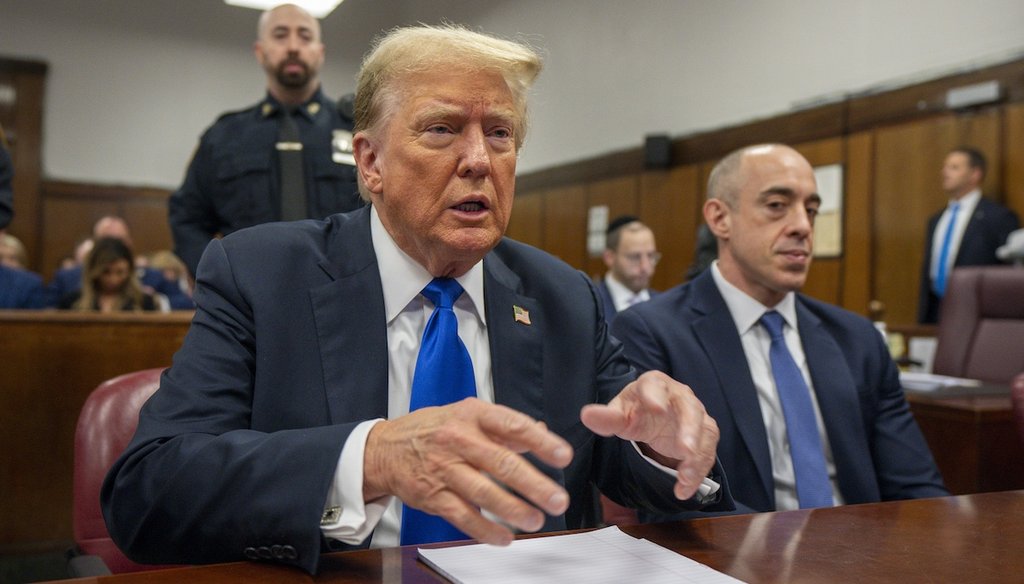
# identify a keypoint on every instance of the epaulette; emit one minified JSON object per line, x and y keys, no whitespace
{"x":228,"y":114}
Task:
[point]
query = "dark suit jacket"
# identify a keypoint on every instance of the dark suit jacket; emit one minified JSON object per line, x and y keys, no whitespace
{"x":606,"y":300}
{"x":20,"y":289}
{"x":288,"y":352}
{"x":990,"y":225}
{"x":688,"y":332}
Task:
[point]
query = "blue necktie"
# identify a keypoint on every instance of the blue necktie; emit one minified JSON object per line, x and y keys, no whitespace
{"x":947,"y":239}
{"x":444,"y":375}
{"x":813,"y":488}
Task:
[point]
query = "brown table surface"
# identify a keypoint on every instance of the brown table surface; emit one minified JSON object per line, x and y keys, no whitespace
{"x":970,"y":538}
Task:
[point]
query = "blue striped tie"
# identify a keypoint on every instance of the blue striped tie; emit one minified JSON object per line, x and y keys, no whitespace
{"x":813,"y":488}
{"x":444,"y":375}
{"x":947,"y":240}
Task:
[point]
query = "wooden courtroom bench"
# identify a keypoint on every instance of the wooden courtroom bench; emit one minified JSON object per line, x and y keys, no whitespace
{"x":51,"y":362}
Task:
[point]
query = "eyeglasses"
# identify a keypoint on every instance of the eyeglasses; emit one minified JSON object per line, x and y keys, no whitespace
{"x":636,"y":258}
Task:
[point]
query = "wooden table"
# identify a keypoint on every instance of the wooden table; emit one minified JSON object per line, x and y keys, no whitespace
{"x":970,"y":538}
{"x":973,"y":436}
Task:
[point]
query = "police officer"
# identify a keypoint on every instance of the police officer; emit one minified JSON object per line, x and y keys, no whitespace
{"x":288,"y":157}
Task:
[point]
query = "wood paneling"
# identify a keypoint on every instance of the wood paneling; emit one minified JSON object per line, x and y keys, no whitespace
{"x":53,"y":361}
{"x":620,"y":196}
{"x":1013,"y":159}
{"x":908,"y":159}
{"x":669,"y":203}
{"x":857,"y":223}
{"x":565,"y":232}
{"x":527,"y":221}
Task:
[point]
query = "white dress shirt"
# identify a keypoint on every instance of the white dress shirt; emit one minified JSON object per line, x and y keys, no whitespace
{"x":623,"y":297}
{"x":746,"y":313}
{"x":963,"y":216}
{"x":407,"y":313}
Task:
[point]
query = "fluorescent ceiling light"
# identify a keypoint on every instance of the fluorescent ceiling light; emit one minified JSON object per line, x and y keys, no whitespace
{"x":318,"y":8}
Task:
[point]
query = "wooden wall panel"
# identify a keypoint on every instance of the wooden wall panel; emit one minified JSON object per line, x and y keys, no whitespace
{"x":908,"y":159}
{"x":565,"y":230}
{"x":669,"y":203}
{"x":620,"y":196}
{"x":527,"y":221}
{"x":856,"y":292}
{"x":61,"y":357}
{"x":1013,"y":159}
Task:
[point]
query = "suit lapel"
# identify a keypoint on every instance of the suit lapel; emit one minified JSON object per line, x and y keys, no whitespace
{"x":836,"y":392}
{"x":715,"y":329}
{"x":351,"y":325}
{"x":517,"y":356}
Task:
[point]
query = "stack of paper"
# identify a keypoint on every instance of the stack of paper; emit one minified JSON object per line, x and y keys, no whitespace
{"x":930,"y":381}
{"x":604,"y":556}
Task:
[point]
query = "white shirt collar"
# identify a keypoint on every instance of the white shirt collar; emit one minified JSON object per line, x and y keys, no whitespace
{"x":403,"y":278}
{"x":621,"y":294}
{"x":967,"y":202}
{"x":746,"y":312}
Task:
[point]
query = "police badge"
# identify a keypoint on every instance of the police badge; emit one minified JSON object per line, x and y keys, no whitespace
{"x":341,"y":148}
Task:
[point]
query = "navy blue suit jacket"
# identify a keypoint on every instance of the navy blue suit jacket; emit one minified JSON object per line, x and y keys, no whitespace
{"x":20,"y":289}
{"x":990,"y":225}
{"x":689,"y":333}
{"x":287,"y":353}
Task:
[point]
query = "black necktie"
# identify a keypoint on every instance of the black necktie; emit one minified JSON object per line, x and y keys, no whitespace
{"x":289,"y":156}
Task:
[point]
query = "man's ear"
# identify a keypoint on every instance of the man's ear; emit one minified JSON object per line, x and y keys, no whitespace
{"x":367,"y":162}
{"x":609,"y":258}
{"x":257,"y":52}
{"x":718,"y":217}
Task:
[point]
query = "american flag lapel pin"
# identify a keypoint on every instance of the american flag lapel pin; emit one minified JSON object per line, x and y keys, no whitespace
{"x":521,"y":314}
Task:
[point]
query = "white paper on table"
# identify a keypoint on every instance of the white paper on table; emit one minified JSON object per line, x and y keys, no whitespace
{"x":931,"y":381}
{"x":596,"y":557}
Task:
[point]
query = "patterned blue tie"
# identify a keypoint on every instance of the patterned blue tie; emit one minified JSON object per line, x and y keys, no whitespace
{"x":813,"y":488}
{"x":947,"y":239}
{"x":444,"y":375}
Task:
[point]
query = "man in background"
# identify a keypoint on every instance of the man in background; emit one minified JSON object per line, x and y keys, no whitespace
{"x":966,"y":233}
{"x":288,"y":157}
{"x":631,"y":256}
{"x":805,"y":394}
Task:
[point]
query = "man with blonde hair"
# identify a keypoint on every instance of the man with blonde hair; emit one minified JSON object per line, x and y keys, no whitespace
{"x":402,"y":373}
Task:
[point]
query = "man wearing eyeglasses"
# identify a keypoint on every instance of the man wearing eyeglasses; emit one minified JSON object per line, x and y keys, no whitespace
{"x":631,"y":256}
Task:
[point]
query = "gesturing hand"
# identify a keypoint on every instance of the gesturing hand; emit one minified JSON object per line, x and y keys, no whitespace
{"x":668,"y":421}
{"x":452,"y":461}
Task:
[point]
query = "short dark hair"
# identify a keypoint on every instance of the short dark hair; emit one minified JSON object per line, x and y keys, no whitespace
{"x":974,"y":158}
{"x":614,"y":232}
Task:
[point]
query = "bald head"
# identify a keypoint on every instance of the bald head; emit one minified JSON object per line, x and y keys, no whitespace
{"x":289,"y":49}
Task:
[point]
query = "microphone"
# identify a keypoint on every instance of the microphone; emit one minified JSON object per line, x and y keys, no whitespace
{"x":346,"y":107}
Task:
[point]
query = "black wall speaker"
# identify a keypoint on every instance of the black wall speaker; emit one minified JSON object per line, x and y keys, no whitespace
{"x":657,"y":151}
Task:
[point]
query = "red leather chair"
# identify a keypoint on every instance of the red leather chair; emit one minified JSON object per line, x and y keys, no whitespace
{"x":105,"y":427}
{"x":1017,"y":397}
{"x":981,"y":324}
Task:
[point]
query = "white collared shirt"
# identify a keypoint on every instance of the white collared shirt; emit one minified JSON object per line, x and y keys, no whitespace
{"x":746,"y":313}
{"x":407,"y":312}
{"x":623,"y":297}
{"x":963,"y":216}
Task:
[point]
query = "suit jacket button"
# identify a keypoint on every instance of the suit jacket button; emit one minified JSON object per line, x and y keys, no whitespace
{"x":250,"y":553}
{"x":288,"y":552}
{"x":276,"y":551}
{"x":264,"y":552}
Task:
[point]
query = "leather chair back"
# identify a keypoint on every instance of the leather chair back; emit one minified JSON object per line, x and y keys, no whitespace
{"x":981,"y":324}
{"x":105,"y":427}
